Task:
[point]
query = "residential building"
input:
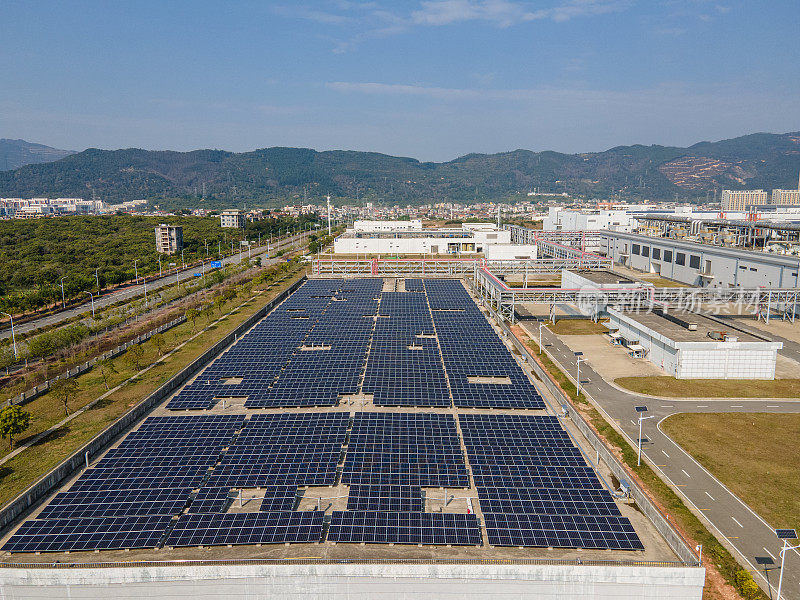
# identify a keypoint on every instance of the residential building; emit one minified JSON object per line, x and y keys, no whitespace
{"x":741,"y":199}
{"x":232,"y":219}
{"x":786,"y":197}
{"x":169,"y":238}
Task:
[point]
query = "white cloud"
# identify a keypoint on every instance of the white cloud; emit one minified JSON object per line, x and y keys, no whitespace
{"x":505,"y":13}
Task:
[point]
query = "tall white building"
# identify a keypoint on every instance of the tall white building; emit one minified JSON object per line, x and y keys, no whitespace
{"x":232,"y":219}
{"x":169,"y":239}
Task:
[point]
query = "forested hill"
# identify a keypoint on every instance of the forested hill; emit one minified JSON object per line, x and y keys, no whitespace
{"x":18,"y":153}
{"x":278,"y":175}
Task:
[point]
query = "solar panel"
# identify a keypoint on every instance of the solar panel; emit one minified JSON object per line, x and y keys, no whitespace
{"x":246,"y":528}
{"x":404,"y":528}
{"x":561,"y":531}
{"x":106,"y":533}
{"x":394,"y":498}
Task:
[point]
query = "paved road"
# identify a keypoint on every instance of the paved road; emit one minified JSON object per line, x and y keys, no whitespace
{"x":728,"y":515}
{"x":133,"y":291}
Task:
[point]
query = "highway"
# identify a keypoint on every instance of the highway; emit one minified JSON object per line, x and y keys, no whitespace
{"x":133,"y":291}
{"x":726,"y":515}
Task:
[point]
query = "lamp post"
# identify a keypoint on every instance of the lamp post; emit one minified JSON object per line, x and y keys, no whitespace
{"x":13,"y":338}
{"x":641,"y":410}
{"x":145,"y":291}
{"x":183,"y":264}
{"x":92,"y":297}
{"x":97,"y":279}
{"x":63,"y":302}
{"x":206,"y":243}
{"x":540,"y":337}
{"x":785,"y":535}
{"x":160,"y":272}
{"x":578,"y":362}
{"x":136,"y":270}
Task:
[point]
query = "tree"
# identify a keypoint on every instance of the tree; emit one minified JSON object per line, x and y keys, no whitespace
{"x":159,"y":342}
{"x":13,"y":421}
{"x":106,"y":367}
{"x":135,"y":354}
{"x":191,"y":315}
{"x":65,"y":390}
{"x":219,"y":302}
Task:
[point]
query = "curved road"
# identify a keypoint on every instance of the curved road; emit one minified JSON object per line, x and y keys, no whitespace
{"x":727,"y":515}
{"x":133,"y":291}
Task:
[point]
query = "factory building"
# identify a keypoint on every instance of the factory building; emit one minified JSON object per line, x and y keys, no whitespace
{"x":691,"y":346}
{"x":471,"y":239}
{"x":700,"y":264}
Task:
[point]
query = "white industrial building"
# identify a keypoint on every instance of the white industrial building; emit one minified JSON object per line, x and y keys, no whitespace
{"x":510,"y":251}
{"x":363,"y":225}
{"x":596,"y":281}
{"x":691,"y":346}
{"x":700,"y":264}
{"x":473,"y":238}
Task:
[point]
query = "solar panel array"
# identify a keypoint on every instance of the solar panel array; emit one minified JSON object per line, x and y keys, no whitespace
{"x":128,"y":500}
{"x":404,"y":528}
{"x":414,"y":348}
{"x":420,"y":449}
{"x":471,"y":348}
{"x":246,"y":528}
{"x":307,"y":352}
{"x":296,"y":449}
{"x":535,"y":489}
{"x":404,"y":366}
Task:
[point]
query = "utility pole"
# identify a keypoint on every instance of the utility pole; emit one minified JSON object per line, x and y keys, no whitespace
{"x":329,"y":215}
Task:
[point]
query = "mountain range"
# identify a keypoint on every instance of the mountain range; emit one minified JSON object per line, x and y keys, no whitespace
{"x":275,"y":176}
{"x":18,"y":153}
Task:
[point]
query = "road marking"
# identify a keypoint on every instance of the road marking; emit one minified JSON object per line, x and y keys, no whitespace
{"x":632,"y":421}
{"x":702,"y":406}
{"x":665,"y":454}
{"x":736,"y":406}
{"x":773,"y":406}
{"x":667,"y":406}
{"x":770,"y":553}
{"x":737,"y":522}
{"x":710,"y":496}
{"x":685,"y":473}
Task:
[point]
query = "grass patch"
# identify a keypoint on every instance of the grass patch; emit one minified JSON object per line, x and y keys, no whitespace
{"x":24,"y":469}
{"x":714,"y":553}
{"x":663,"y":385}
{"x":578,"y":327}
{"x":755,"y":454}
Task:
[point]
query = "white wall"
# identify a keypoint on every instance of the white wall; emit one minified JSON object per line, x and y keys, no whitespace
{"x":363,"y":225}
{"x":357,"y":582}
{"x":510,"y":251}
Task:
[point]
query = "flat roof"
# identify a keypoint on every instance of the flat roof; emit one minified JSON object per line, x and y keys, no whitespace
{"x":678,"y":333}
{"x":605,"y":277}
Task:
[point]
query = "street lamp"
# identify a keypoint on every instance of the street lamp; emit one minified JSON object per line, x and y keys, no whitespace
{"x":136,"y":270}
{"x":183,"y":264}
{"x":145,"y":292}
{"x":92,"y":297}
{"x":63,"y":302}
{"x":641,"y":410}
{"x":160,"y":272}
{"x":541,"y":324}
{"x":97,"y":279}
{"x":578,"y":362}
{"x":785,"y":535}
{"x":13,"y":339}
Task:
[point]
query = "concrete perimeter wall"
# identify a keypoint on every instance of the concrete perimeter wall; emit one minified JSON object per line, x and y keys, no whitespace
{"x":46,"y":484}
{"x":357,"y":581}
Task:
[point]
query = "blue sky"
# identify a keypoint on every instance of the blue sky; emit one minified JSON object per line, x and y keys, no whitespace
{"x":428,"y":79}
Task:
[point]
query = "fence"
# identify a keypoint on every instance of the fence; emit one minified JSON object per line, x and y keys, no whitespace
{"x":40,"y":389}
{"x":678,"y":544}
{"x":45,"y":485}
